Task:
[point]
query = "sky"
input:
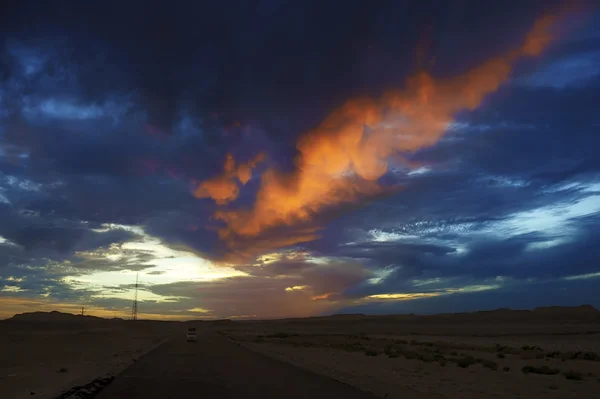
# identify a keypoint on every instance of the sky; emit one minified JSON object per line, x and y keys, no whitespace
{"x":270,"y":159}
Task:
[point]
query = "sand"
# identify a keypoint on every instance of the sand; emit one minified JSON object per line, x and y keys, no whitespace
{"x":43,"y":362}
{"x":426,"y":366}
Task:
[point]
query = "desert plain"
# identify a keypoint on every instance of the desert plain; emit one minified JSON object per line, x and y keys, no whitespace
{"x":543,"y":353}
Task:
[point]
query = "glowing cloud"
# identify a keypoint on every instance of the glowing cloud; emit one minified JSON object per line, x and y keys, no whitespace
{"x":341,"y":159}
{"x":224,"y":189}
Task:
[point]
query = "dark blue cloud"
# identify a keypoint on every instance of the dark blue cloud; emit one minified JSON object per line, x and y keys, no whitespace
{"x":523,"y":296}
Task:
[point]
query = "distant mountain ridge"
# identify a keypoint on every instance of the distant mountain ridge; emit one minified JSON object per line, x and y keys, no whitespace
{"x":567,"y":313}
{"x":54,"y":316}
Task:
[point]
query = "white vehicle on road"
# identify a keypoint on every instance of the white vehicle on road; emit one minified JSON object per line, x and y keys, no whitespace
{"x":191,"y":336}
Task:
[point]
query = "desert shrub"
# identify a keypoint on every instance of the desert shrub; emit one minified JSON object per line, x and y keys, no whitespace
{"x":442,"y":362}
{"x":573,"y":375}
{"x":466,"y":361}
{"x":500,"y":355}
{"x":531,"y":348}
{"x":539,"y":370}
{"x":389,"y":349}
{"x":411,"y":354}
{"x":371,"y":352}
{"x":414,"y":342}
{"x":62,"y":370}
{"x":438,"y":356}
{"x":592,"y":356}
{"x":454,"y":353}
{"x":490,"y":364}
{"x":528,"y":369}
{"x":401,"y":341}
{"x":506,"y":368}
{"x":350,"y":347}
{"x":528,"y":355}
{"x":281,"y":335}
{"x":427,"y":357}
{"x":361,"y":335}
{"x":259,"y":339}
{"x":305,"y":344}
{"x":391,"y":352}
{"x":553,"y":354}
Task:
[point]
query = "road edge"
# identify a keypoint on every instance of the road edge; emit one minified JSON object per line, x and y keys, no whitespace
{"x":297,"y":365}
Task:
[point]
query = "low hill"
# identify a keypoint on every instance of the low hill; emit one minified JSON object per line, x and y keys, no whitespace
{"x":54,"y":316}
{"x":583,"y":313}
{"x":550,"y":313}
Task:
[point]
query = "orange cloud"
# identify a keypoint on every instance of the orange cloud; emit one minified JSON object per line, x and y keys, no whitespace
{"x":224,"y":189}
{"x":341,"y":159}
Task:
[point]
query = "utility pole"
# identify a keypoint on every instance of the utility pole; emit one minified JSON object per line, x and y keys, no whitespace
{"x":82,"y":310}
{"x":134,"y":308}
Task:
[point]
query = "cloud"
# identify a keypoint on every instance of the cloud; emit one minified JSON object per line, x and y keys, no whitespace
{"x":291,"y":286}
{"x":526,"y":295}
{"x":476,"y":259}
{"x":32,"y":230}
{"x":576,"y":70}
{"x":341,"y":160}
{"x":57,"y":109}
{"x":224,"y":189}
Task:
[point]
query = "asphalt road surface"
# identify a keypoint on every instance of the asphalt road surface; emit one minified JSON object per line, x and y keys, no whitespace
{"x":214,"y":367}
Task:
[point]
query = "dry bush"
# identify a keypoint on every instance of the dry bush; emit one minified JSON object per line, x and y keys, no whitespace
{"x":490,"y":364}
{"x":371,"y":352}
{"x":466,"y":361}
{"x":573,"y":375}
{"x":539,"y":370}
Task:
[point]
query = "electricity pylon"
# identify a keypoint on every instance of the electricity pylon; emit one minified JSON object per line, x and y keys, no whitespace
{"x":134,"y":307}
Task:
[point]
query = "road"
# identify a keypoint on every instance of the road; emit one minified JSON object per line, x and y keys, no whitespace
{"x":215,"y":367}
